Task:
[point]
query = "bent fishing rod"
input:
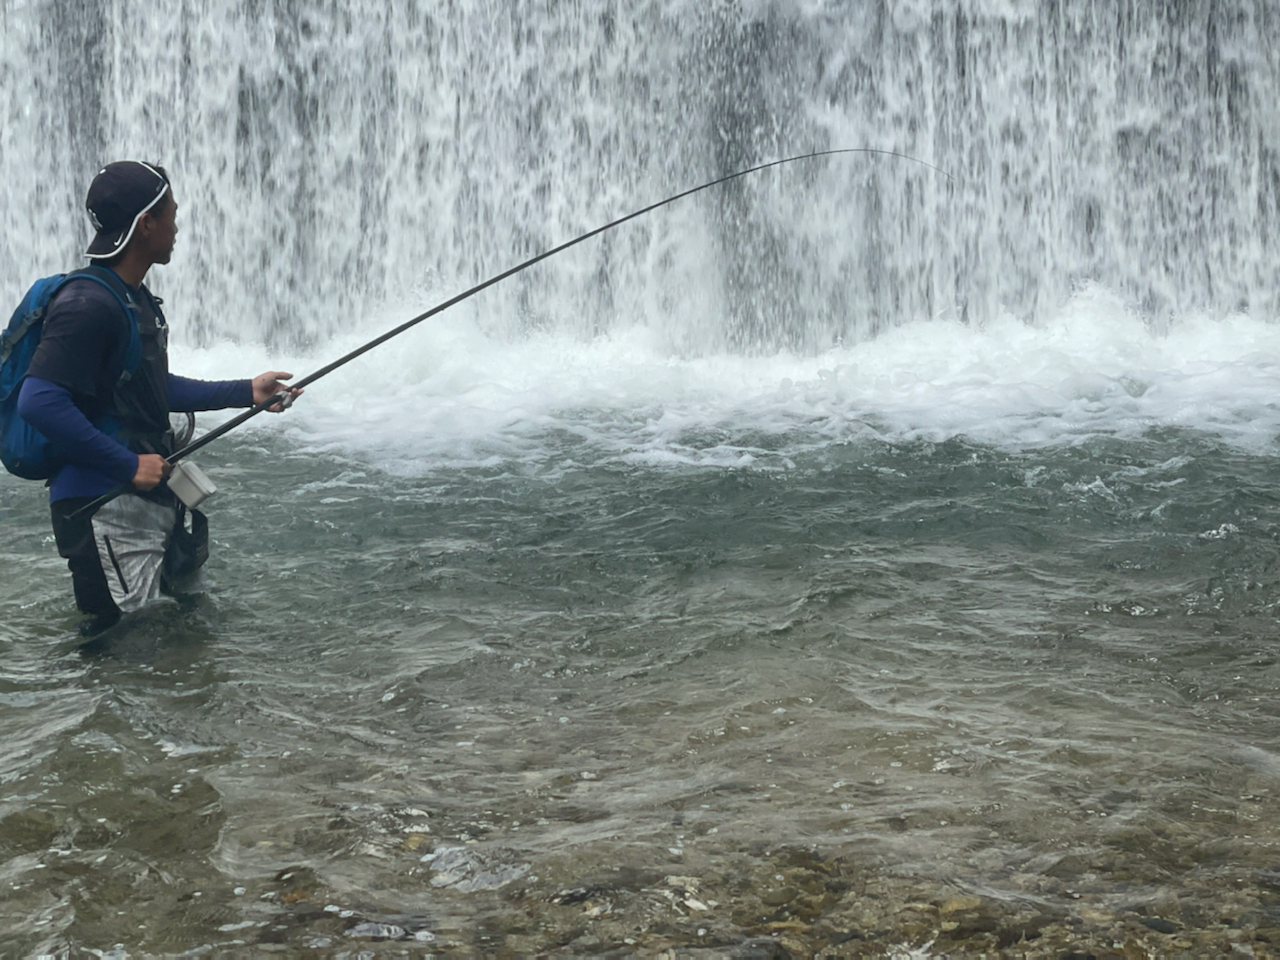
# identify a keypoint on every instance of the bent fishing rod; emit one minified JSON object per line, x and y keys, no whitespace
{"x":285,"y":398}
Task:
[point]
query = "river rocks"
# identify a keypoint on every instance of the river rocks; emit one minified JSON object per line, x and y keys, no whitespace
{"x":775,"y":904}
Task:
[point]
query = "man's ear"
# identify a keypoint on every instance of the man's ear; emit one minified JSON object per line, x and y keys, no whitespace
{"x":146,"y":225}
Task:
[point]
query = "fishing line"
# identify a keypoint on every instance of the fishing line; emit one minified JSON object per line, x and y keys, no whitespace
{"x":286,"y":398}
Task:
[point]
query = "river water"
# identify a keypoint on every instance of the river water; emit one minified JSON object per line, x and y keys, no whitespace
{"x":858,"y":561}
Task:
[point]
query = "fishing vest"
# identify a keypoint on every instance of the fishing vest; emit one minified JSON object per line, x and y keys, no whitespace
{"x":138,"y":415}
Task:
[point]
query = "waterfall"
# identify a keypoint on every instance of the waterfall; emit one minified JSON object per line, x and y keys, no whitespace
{"x":334,"y":158}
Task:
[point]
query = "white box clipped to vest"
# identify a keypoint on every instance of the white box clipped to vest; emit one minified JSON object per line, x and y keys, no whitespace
{"x":190,"y":485}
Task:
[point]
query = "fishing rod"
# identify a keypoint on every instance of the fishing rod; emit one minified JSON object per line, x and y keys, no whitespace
{"x":285,"y":397}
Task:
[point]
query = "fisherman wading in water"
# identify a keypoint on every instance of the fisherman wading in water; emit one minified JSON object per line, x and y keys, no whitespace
{"x":103,"y":394}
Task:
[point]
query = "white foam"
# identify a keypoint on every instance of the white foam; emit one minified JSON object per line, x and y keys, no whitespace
{"x":447,"y":394}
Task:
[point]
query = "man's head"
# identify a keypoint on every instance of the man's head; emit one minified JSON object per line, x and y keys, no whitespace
{"x":130,"y":201}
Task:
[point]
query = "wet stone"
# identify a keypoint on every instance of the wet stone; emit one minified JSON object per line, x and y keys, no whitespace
{"x":575,"y":895}
{"x":1069,"y":867}
{"x":413,"y":841}
{"x":369,"y":930}
{"x":958,"y":904}
{"x":975,"y":926}
{"x":1024,"y":929}
{"x":1160,"y":925}
{"x":27,"y":831}
{"x":763,"y":948}
{"x":779,"y":897}
{"x":297,"y":884}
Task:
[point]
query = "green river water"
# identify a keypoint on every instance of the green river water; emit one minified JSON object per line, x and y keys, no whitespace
{"x":504,"y":706}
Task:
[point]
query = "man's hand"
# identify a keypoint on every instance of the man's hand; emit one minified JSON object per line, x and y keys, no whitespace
{"x":152,"y":468}
{"x":267,"y":385}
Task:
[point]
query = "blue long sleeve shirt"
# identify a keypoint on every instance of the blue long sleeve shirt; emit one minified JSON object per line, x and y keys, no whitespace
{"x":97,"y":462}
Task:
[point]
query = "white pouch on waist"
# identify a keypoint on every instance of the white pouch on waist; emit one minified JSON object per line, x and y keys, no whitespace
{"x":190,"y":485}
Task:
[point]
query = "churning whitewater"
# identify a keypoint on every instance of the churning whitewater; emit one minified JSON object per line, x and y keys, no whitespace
{"x":847,"y":560}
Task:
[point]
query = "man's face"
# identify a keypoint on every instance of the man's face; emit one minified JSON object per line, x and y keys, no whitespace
{"x":164,"y":230}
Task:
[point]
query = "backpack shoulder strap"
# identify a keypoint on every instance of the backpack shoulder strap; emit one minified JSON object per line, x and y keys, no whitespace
{"x":29,"y":313}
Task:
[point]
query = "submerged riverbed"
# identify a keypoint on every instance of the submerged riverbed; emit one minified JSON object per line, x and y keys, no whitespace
{"x":581,"y":684}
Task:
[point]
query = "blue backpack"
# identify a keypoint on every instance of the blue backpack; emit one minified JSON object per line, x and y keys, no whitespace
{"x":24,"y":450}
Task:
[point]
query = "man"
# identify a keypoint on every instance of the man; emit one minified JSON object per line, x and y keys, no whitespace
{"x":111,"y":424}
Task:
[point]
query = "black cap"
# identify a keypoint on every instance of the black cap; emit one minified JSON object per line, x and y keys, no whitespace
{"x":120,"y":194}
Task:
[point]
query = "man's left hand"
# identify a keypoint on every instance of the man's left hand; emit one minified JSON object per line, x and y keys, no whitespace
{"x":267,"y":385}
